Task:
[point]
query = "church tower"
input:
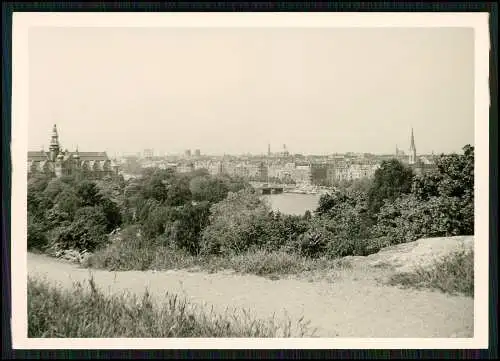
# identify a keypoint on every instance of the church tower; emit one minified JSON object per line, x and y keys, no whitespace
{"x":413,"y":150}
{"x":54,"y":144}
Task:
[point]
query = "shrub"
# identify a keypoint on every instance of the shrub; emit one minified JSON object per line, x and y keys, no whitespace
{"x":334,"y":237}
{"x":234,"y":224}
{"x":186,"y":229}
{"x":408,"y":219}
{"x":37,"y":238}
{"x":86,"y":232}
{"x":391,"y":180}
{"x":128,"y":250}
{"x":206,"y":188}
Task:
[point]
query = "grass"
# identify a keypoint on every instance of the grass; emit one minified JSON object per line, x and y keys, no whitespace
{"x":121,"y":256}
{"x":84,"y":312}
{"x":453,"y":274}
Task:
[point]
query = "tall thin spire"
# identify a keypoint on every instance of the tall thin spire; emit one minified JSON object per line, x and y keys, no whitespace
{"x":413,"y":149}
{"x":412,"y":146}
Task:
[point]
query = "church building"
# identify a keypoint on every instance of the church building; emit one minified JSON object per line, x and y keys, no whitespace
{"x":58,"y":162}
{"x":418,"y":164}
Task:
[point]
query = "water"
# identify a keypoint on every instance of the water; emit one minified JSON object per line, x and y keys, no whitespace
{"x":293,"y":203}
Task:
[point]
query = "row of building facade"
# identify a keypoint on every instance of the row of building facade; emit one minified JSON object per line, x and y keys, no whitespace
{"x":284,"y":169}
{"x":58,"y":162}
{"x":281,"y":168}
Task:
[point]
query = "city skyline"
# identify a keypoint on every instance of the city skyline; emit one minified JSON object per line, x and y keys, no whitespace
{"x":196,"y":152}
{"x":234,"y":91}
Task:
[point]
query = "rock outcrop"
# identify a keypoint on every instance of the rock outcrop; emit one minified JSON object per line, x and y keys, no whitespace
{"x":406,"y":257}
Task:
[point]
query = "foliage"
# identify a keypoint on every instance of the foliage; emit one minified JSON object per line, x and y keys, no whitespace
{"x":186,"y":229}
{"x":408,"y":219}
{"x":68,"y":201}
{"x":199,"y":219}
{"x":441,"y":203}
{"x":342,"y":226}
{"x":86,"y":232}
{"x":391,"y":180}
{"x":206,"y":188}
{"x":88,"y":312}
{"x":89,"y":194}
{"x":54,"y":187}
{"x":234,"y":223}
{"x":37,"y":237}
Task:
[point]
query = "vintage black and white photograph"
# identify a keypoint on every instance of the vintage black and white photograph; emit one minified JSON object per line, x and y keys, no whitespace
{"x":217,"y":181}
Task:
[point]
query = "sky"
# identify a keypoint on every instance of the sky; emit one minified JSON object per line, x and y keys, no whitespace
{"x":234,"y":91}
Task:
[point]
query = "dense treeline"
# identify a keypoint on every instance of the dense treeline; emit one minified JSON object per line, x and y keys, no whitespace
{"x":206,"y":215}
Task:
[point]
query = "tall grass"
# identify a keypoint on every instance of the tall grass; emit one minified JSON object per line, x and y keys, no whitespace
{"x":87,"y":312}
{"x":453,"y":274}
{"x":123,"y":256}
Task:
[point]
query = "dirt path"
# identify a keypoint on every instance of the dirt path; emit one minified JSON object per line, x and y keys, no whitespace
{"x":352,"y":306}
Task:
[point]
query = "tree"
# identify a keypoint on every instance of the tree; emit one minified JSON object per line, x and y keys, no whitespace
{"x":68,"y":201}
{"x":178,"y":193}
{"x":37,"y":183}
{"x":453,"y":183}
{"x":190,"y":221}
{"x":332,"y":203}
{"x":391,"y":180}
{"x":54,"y":187}
{"x":86,"y":232}
{"x":112,"y":214}
{"x":234,"y":223}
{"x":156,"y":221}
{"x":88,"y":193}
{"x":209,"y":189}
{"x":37,"y":238}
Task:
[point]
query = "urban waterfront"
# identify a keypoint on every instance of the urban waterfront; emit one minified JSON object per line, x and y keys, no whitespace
{"x":293,"y":203}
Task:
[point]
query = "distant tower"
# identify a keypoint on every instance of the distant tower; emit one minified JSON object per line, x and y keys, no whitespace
{"x":285,"y":152}
{"x":54,"y":144}
{"x":413,"y":150}
{"x":268,"y":149}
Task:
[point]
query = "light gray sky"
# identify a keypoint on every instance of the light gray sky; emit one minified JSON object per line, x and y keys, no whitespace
{"x":235,"y":90}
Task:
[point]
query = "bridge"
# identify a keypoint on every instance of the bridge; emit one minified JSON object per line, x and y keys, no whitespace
{"x":266,"y":188}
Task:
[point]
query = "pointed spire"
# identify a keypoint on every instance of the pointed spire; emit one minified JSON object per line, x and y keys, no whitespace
{"x":412,"y":145}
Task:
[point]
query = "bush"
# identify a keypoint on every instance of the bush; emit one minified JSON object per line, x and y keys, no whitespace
{"x":37,"y":238}
{"x":186,"y":229}
{"x":86,"y":232}
{"x":334,"y":237}
{"x":282,"y":231}
{"x":391,"y":180}
{"x":206,"y":188}
{"x":234,"y":224}
{"x":87,"y":312}
{"x":408,"y":219}
{"x":342,"y":226}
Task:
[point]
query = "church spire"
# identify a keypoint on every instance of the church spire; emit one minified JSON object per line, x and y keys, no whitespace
{"x":413,"y":149}
{"x":54,"y":144}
